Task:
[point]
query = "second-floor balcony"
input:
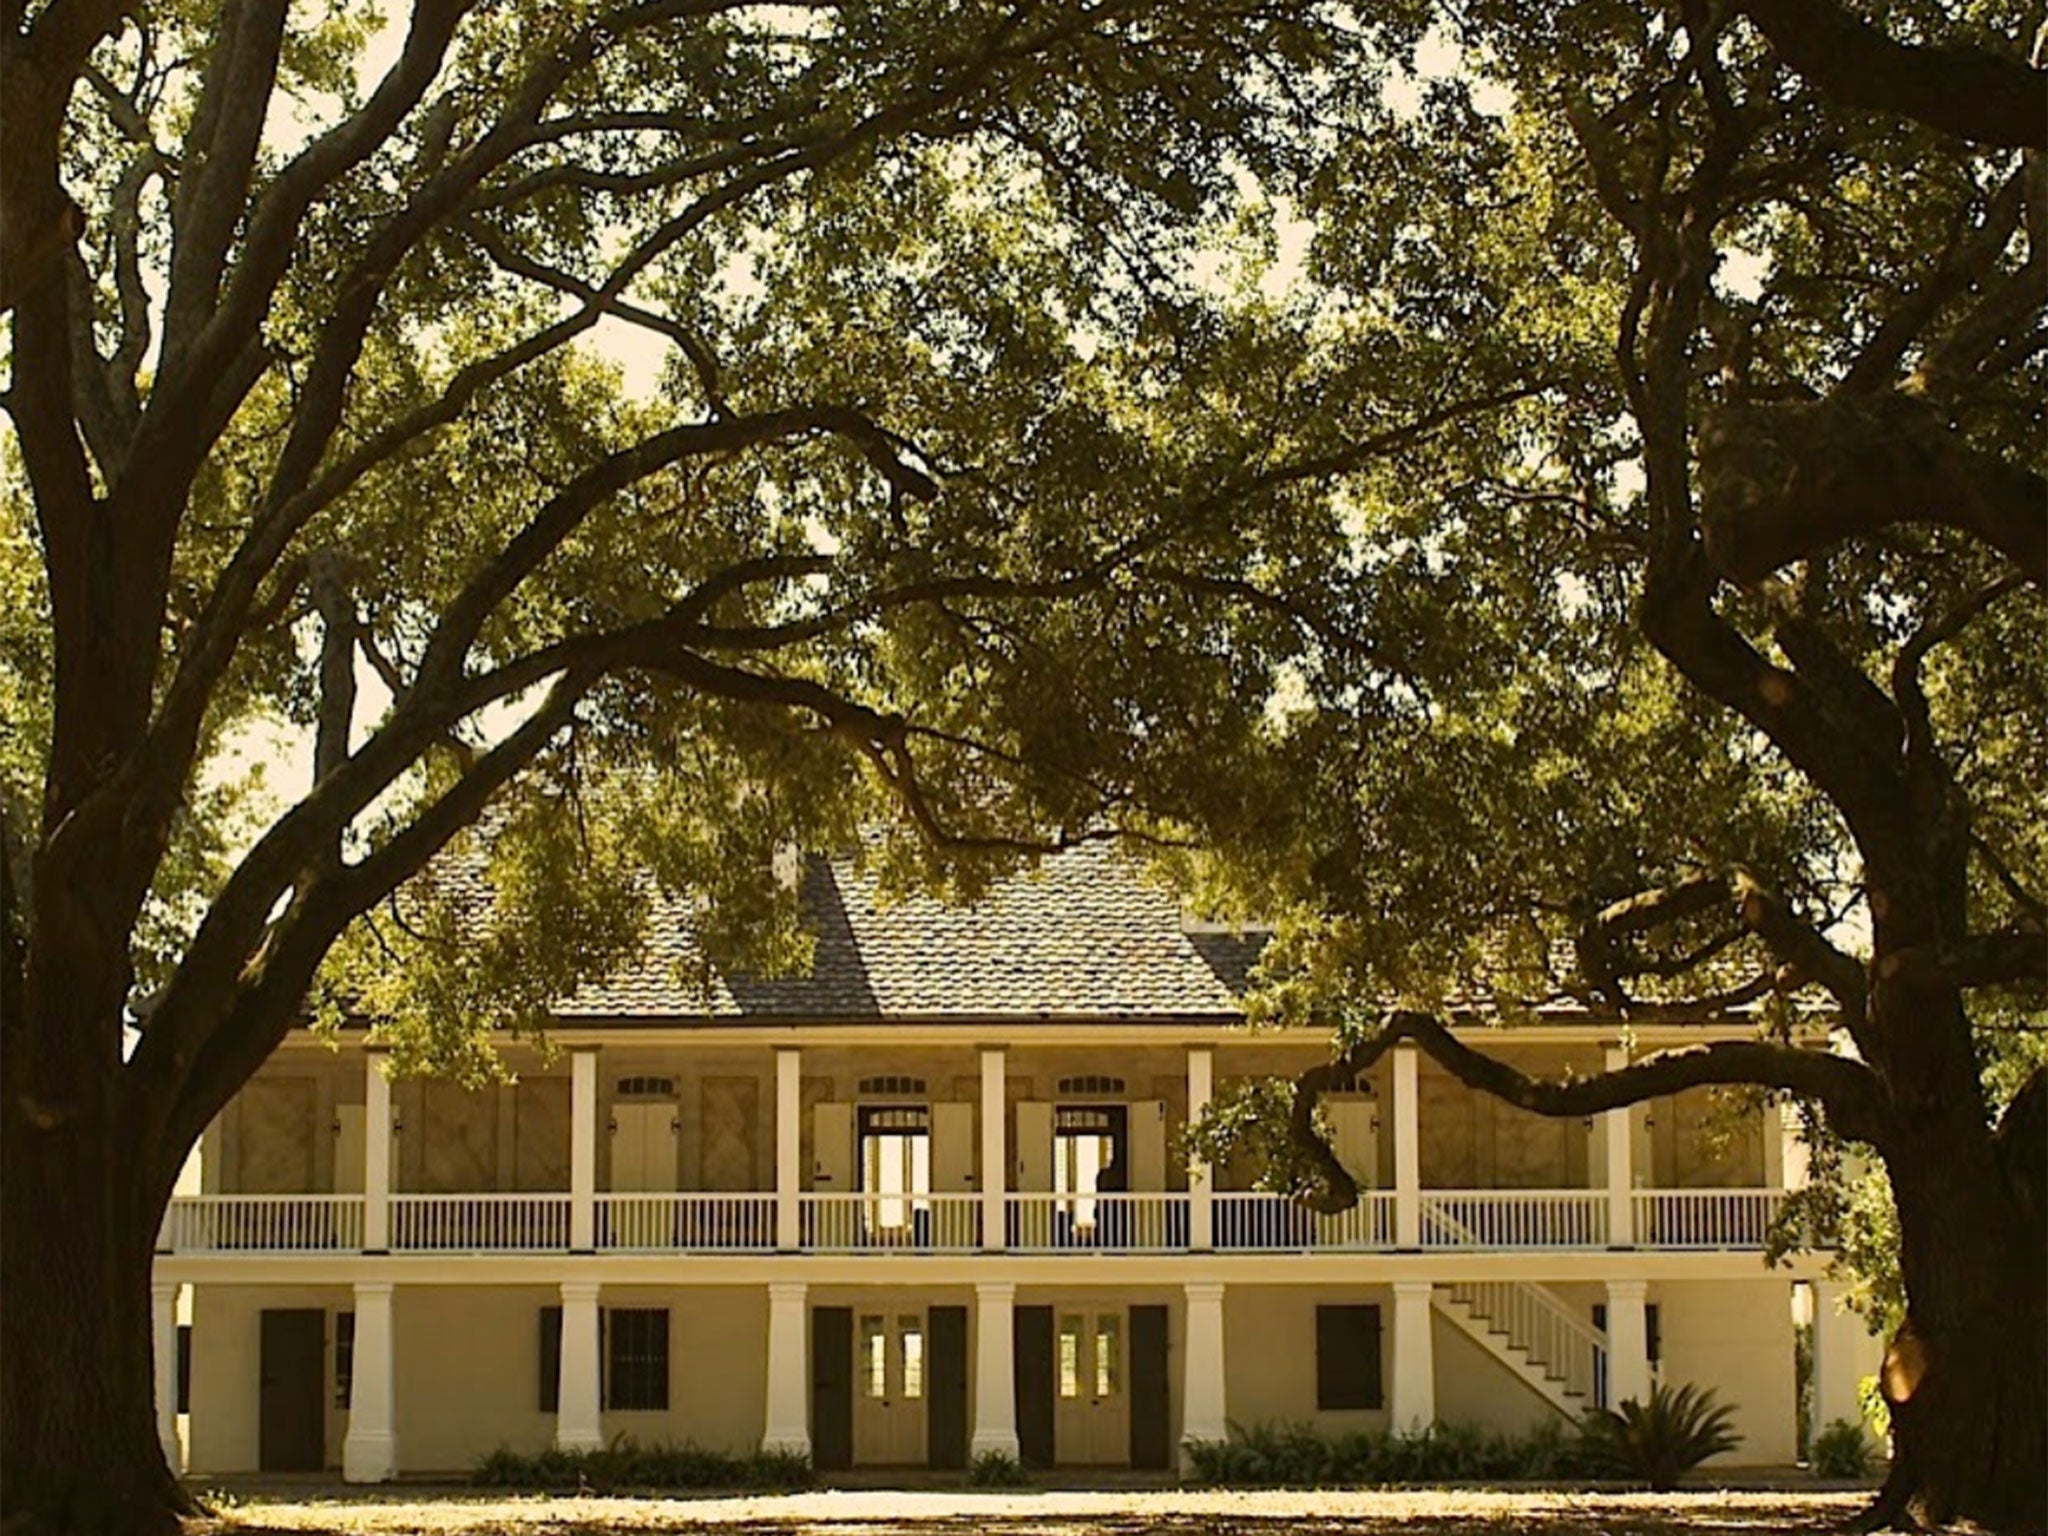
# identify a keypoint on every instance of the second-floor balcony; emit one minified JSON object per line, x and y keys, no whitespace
{"x":911,"y":1224}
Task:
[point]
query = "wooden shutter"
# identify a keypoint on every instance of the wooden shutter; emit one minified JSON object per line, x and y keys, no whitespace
{"x":1348,"y":1357}
{"x":832,"y":1172}
{"x":1034,"y":1146}
{"x":1354,"y":1122}
{"x":952,"y":1148}
{"x":550,"y":1359}
{"x":831,"y":1388}
{"x":1148,"y":1145}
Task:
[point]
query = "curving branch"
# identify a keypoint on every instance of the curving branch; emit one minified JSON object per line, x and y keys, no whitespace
{"x":1846,"y":1089}
{"x":1973,"y":93}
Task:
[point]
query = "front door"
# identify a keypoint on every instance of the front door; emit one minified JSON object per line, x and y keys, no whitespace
{"x":644,"y":1146}
{"x":889,"y":1413}
{"x":1092,"y":1419}
{"x":292,"y":1395}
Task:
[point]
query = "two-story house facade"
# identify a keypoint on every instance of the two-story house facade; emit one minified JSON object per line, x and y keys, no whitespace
{"x":932,"y":1199}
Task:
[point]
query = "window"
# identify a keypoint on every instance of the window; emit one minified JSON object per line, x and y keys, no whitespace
{"x":1108,"y":1354}
{"x":1070,"y":1357}
{"x":638,"y":1357}
{"x":646,"y":1088}
{"x":874,"y":1358}
{"x":550,"y":1359}
{"x":911,"y":1331}
{"x":344,"y":1356}
{"x":1091,"y":1083}
{"x":1348,"y":1357}
{"x":905,"y":1087}
{"x":184,"y":1367}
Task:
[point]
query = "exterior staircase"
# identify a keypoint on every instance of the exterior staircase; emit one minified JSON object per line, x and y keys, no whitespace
{"x":1555,"y":1353}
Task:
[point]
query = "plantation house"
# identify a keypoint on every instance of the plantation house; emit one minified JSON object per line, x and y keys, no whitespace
{"x":930,"y":1200}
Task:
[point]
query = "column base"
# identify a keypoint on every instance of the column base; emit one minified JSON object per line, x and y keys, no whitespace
{"x":994,"y":1442}
{"x":574,"y":1440}
{"x":787,"y":1442}
{"x":369,"y":1457}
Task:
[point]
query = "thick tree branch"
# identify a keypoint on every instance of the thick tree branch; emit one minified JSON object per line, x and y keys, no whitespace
{"x":1985,"y":97}
{"x":1845,"y":1089}
{"x":2015,"y":958}
{"x":1784,"y":481}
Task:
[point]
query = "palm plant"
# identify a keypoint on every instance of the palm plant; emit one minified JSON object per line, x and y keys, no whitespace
{"x":1658,"y":1442}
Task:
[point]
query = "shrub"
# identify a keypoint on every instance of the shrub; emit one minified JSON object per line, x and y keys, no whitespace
{"x":1299,"y":1455}
{"x":1842,"y":1450}
{"x":1658,"y":1442}
{"x":996,"y":1469}
{"x":624,"y":1463}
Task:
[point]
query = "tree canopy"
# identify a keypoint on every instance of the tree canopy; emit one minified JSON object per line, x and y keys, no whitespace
{"x":1545,"y":500}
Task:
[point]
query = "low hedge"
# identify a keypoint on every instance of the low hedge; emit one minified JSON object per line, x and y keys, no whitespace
{"x":1299,"y":1455}
{"x":625,"y":1464}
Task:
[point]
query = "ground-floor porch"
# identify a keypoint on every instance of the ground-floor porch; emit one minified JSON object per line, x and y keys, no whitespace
{"x":398,"y":1371}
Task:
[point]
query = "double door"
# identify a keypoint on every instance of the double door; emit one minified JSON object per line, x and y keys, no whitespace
{"x":1091,"y":1385}
{"x":892,"y":1381}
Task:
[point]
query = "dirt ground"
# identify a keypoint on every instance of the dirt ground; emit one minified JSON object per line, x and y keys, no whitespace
{"x":1415,"y":1512}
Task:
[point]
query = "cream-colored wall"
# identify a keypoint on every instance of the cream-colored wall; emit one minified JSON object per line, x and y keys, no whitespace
{"x":227,"y":1324}
{"x":1736,"y":1337}
{"x":1269,"y":1352}
{"x":467,"y":1376}
{"x":717,"y":1367}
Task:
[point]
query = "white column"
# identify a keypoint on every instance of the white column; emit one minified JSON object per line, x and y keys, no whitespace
{"x":376,"y":1154}
{"x":1628,"y":1342}
{"x":1621,"y":1223}
{"x":370,"y":1453}
{"x":788,"y":1145}
{"x":582,"y":1157}
{"x":1201,"y":1203}
{"x":579,"y":1425}
{"x":1205,"y":1408}
{"x":163,"y":1334}
{"x":1412,"y":1403}
{"x":995,"y":1370}
{"x":788,"y":1426}
{"x":995,"y":1163}
{"x":1844,"y":1352}
{"x":1407,"y":1150}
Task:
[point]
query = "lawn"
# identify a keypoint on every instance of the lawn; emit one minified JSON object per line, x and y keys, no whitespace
{"x":1411,"y":1512}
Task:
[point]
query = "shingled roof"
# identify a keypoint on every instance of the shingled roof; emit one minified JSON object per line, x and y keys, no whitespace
{"x":1081,"y":936}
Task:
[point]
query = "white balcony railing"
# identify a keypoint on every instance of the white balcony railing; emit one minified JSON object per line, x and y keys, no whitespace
{"x":1514,"y":1218}
{"x":1463,"y":1220}
{"x":1704,"y":1218}
{"x":875,"y":1223}
{"x":263,"y":1224}
{"x":686,"y":1223}
{"x":1113,"y":1223}
{"x":480,"y":1223}
{"x":1262,"y":1223}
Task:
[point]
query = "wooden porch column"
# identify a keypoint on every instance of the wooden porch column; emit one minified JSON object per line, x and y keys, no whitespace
{"x":1628,"y":1342}
{"x":1201,"y":1201}
{"x":1205,"y":1406}
{"x":376,"y":1153}
{"x":370,"y":1453}
{"x":1412,"y":1403}
{"x":788,"y":1417}
{"x":1621,"y":1223}
{"x":1407,"y":1150}
{"x":579,"y":1424}
{"x":995,"y":1370}
{"x":995,"y":1157}
{"x":163,"y":1317}
{"x":788,"y":1145}
{"x":582,"y":1158}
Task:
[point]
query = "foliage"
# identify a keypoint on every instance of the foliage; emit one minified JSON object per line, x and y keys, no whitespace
{"x":1842,"y":1450}
{"x":1298,"y":1454}
{"x":1658,"y":1442}
{"x":623,"y":1465}
{"x":996,"y":1469}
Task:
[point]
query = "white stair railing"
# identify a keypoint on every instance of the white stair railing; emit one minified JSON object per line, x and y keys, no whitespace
{"x":1558,"y":1345}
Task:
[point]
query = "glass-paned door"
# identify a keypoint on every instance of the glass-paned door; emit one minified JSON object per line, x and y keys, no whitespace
{"x":1091,"y":1394}
{"x":895,"y":1171}
{"x":890,"y":1385}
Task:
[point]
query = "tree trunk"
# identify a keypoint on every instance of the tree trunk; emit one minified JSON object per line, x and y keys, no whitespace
{"x":78,"y":1217}
{"x":1967,"y":1376}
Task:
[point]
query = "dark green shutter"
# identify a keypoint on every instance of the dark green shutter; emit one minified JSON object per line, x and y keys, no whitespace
{"x":1348,"y":1358}
{"x":550,"y":1359}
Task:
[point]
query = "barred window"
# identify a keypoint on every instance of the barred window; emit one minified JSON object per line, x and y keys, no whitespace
{"x":1091,"y":1082}
{"x":913,"y":1086}
{"x":638,"y":1357}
